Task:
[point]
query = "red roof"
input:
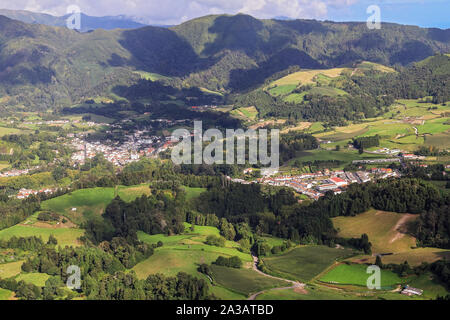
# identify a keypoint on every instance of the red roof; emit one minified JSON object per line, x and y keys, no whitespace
{"x":337,"y":180}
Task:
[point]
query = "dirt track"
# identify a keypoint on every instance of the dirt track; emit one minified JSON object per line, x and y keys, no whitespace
{"x":400,"y":226}
{"x":298,"y":286}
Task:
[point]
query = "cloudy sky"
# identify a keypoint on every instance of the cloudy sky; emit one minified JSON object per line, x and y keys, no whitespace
{"x":429,"y":13}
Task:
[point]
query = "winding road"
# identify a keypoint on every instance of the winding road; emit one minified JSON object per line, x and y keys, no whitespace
{"x":295,"y":284}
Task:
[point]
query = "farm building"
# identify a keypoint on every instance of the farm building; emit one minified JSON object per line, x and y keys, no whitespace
{"x":410,"y":291}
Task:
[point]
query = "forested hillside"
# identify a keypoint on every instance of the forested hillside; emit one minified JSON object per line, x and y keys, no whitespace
{"x":42,"y":66}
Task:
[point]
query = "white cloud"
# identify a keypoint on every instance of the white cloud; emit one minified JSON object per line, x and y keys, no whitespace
{"x":175,"y":11}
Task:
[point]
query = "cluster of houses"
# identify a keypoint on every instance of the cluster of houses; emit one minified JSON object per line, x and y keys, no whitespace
{"x":16,"y":172}
{"x":25,"y":193}
{"x":315,"y":185}
{"x":137,"y":145}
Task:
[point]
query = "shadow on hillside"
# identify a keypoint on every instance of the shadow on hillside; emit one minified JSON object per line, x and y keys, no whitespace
{"x":241,"y":80}
{"x":162,"y":51}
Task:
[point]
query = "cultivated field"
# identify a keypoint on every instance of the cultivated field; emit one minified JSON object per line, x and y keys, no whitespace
{"x":305,"y":263}
{"x":65,"y":236}
{"x":355,"y":274}
{"x":388,"y":233}
{"x":5,"y":294}
{"x":306,"y":77}
{"x":244,"y":281}
{"x":12,"y":269}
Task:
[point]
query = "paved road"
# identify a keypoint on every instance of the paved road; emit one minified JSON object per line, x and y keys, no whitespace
{"x":295,"y":284}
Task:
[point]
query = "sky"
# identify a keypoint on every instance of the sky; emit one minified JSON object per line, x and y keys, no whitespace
{"x":424,"y":13}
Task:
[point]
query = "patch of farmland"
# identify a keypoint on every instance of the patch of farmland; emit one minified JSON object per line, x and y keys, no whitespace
{"x":356,"y":274}
{"x":282,"y":90}
{"x":305,"y":263}
{"x":414,"y":257}
{"x":90,"y":202}
{"x":244,"y":281}
{"x":440,"y":140}
{"x":11,"y":269}
{"x":386,"y":230}
{"x":65,"y":236}
{"x":5,"y":294}
{"x":307,"y":76}
{"x":38,"y":279}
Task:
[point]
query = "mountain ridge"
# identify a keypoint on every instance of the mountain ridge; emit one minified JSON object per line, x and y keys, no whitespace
{"x":44,"y":66}
{"x":88,"y":23}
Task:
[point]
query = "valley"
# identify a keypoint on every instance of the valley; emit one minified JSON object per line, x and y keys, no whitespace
{"x":88,"y":129}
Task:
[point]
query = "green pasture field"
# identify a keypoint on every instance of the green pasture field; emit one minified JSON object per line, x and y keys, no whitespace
{"x":295,"y":97}
{"x":185,"y":251}
{"x":282,"y":89}
{"x":305,"y":263}
{"x":170,"y":261}
{"x":65,"y":236}
{"x":339,"y":136}
{"x":225,"y":294}
{"x":4,"y":131}
{"x":11,"y":269}
{"x":388,"y":233}
{"x":38,"y":279}
{"x":440,"y":140}
{"x":5,"y":294}
{"x":273,"y":241}
{"x":356,"y":274}
{"x":151,"y":76}
{"x":324,"y":91}
{"x":434,"y":126}
{"x":193,"y":192}
{"x":90,"y":202}
{"x":244,"y":281}
{"x":347,"y":156}
{"x":248,"y":113}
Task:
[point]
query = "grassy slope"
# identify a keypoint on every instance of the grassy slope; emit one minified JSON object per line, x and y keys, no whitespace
{"x":185,"y":252}
{"x":89,"y":202}
{"x":38,"y":279}
{"x":5,"y":294}
{"x":65,"y":236}
{"x":8,"y":270}
{"x":381,"y":227}
{"x":193,"y":192}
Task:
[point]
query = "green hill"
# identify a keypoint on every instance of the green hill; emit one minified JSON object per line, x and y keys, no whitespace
{"x":45,"y":66}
